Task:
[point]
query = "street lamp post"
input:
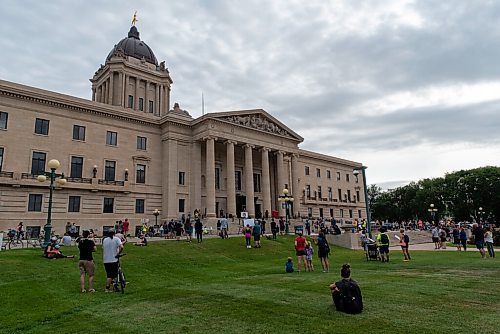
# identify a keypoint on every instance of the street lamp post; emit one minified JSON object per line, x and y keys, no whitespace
{"x":287,"y":199}
{"x":156,"y":212}
{"x":52,"y":175}
{"x":367,"y":202}
{"x":433,"y":211}
{"x":480,"y":213}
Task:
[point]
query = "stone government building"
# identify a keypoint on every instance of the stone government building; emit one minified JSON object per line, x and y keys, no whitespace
{"x":126,"y":153}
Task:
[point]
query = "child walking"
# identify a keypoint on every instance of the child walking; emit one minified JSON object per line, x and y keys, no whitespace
{"x":309,"y":257}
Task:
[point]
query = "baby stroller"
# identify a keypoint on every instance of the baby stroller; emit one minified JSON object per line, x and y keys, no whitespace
{"x":371,"y":251}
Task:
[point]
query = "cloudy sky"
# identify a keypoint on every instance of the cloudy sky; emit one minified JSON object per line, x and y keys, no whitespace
{"x":409,"y":88}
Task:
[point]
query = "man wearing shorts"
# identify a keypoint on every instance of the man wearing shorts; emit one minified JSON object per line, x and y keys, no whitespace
{"x":300,"y":250}
{"x":111,"y":247}
{"x":383,"y":244}
{"x":86,"y":263}
{"x":479,"y":239}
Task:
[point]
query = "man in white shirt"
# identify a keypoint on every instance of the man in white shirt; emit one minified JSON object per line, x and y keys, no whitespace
{"x":111,"y":247}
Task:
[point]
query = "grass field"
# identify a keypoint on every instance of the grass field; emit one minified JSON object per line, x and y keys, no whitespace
{"x":219,"y":286}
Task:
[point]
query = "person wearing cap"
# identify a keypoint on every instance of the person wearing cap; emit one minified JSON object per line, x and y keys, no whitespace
{"x":111,"y":247}
{"x":52,"y":250}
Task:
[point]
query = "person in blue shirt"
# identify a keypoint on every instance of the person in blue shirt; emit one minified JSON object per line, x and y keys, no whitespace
{"x":289,"y":265}
{"x":463,"y":238}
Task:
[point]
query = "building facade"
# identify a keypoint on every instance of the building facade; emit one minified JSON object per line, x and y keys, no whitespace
{"x":127,"y":153}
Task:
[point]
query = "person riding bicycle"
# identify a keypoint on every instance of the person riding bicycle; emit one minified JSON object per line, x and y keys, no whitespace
{"x":112,"y":247}
{"x":20,"y":231}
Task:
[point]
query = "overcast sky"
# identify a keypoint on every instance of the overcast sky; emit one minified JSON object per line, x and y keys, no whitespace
{"x":409,"y":88}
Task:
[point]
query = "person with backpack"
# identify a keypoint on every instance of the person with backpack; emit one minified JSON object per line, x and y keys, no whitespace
{"x":323,"y":252}
{"x":404,"y":242}
{"x":346,"y":293}
{"x":383,"y":244}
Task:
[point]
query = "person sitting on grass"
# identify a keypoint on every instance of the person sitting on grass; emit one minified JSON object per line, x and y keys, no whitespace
{"x":346,"y":293}
{"x":289,"y":265}
{"x":142,"y":241}
{"x":52,"y":250}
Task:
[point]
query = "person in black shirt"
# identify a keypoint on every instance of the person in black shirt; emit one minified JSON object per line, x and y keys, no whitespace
{"x":86,"y":263}
{"x":478,"y":232}
{"x":198,"y":229}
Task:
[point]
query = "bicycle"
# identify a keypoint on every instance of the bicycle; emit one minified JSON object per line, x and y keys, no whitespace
{"x":34,"y":241}
{"x":14,"y":240}
{"x":120,"y":283}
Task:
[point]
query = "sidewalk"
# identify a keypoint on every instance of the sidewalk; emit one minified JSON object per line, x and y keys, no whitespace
{"x":430,"y":247}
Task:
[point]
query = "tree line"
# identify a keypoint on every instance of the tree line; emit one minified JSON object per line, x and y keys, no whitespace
{"x":467,"y":195}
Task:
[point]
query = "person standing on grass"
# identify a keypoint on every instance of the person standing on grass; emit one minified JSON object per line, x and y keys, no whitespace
{"x":198,"y":229}
{"x":248,"y":236}
{"x":111,"y":247}
{"x":309,"y":257}
{"x":488,"y":240}
{"x":323,"y":252}
{"x":274,"y":228}
{"x":442,"y":238}
{"x":188,"y":227}
{"x":300,"y":251}
{"x":463,"y":238}
{"x":126,"y":225}
{"x":256,"y":234}
{"x":404,"y":242}
{"x":383,"y":243}
{"x":435,"y":237}
{"x":86,"y":263}
{"x":479,"y":238}
{"x":456,"y":237}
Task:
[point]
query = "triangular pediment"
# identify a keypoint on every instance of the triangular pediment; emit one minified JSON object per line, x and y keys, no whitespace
{"x":257,"y":119}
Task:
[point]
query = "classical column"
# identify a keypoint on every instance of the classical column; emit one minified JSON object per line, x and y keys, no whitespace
{"x":249,"y":191}
{"x":266,"y":182}
{"x":93,"y":94}
{"x":164,"y":99}
{"x":295,"y":184}
{"x":146,"y":97}
{"x":169,"y":178}
{"x":125,"y":91}
{"x":231,"y":185}
{"x":106,"y":91}
{"x":136,"y":97}
{"x":120,"y":90}
{"x":281,"y":178}
{"x":157,"y":100}
{"x":111,"y":86}
{"x":210,"y":177}
{"x":195,"y":179}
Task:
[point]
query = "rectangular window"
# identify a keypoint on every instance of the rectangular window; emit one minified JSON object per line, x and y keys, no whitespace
{"x":35,"y":203}
{"x":330,"y":194}
{"x":217,"y":178}
{"x":142,"y":143}
{"x":347,"y":177}
{"x":338,"y":176}
{"x":1,"y":158}
{"x":109,"y":170}
{"x":111,"y":138}
{"x":308,"y":191}
{"x":140,"y":174}
{"x":318,"y":172}
{"x":359,"y":213}
{"x":139,"y":205}
{"x":78,"y":132}
{"x":130,"y":101}
{"x":340,"y":195}
{"x":237,"y":180}
{"x":306,"y":170}
{"x":76,"y":167}
{"x":331,"y":213}
{"x":182,"y":203}
{"x":357,"y":195}
{"x":151,"y":106}
{"x":74,"y":204}
{"x":319,"y":193}
{"x":3,"y":120}
{"x":328,"y":174}
{"x":342,"y":213}
{"x":350,"y":213}
{"x":309,"y":212}
{"x":141,"y":104}
{"x":38,"y":163}
{"x":108,"y":205}
{"x":256,"y":183}
{"x":182,"y":178}
{"x":42,"y":126}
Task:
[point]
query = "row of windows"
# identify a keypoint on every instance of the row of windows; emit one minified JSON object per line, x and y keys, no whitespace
{"x":318,"y":194}
{"x":74,"y":204}
{"x":341,"y":213}
{"x":151,"y":105}
{"x":328,"y":174}
{"x":42,"y":128}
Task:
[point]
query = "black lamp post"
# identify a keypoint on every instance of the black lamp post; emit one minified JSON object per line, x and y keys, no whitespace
{"x":433,"y":211}
{"x":156,"y":212}
{"x":367,"y":202}
{"x":53,"y":165}
{"x":287,"y":199}
{"x":480,"y":213}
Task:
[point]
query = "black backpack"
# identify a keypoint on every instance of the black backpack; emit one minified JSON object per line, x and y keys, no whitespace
{"x":351,"y":300}
{"x":384,"y":239}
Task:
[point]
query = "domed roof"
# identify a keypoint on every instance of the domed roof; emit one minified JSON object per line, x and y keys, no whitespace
{"x":132,"y":46}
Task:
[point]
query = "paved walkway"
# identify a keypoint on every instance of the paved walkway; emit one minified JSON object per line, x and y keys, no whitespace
{"x":430,"y":247}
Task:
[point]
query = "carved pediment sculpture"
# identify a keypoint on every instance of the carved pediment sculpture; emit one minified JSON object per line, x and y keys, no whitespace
{"x":257,"y":122}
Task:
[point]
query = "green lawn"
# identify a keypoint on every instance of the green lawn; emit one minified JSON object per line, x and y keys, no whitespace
{"x":219,"y":286}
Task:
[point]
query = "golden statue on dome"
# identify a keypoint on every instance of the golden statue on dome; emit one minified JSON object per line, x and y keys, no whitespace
{"x":134,"y":19}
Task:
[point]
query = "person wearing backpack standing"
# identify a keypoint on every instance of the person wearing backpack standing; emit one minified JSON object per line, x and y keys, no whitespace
{"x":346,"y":293}
{"x":383,"y":244}
{"x":323,"y":252}
{"x":404,"y":242}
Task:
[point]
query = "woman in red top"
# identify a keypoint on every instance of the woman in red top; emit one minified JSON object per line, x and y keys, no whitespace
{"x":300,"y":250}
